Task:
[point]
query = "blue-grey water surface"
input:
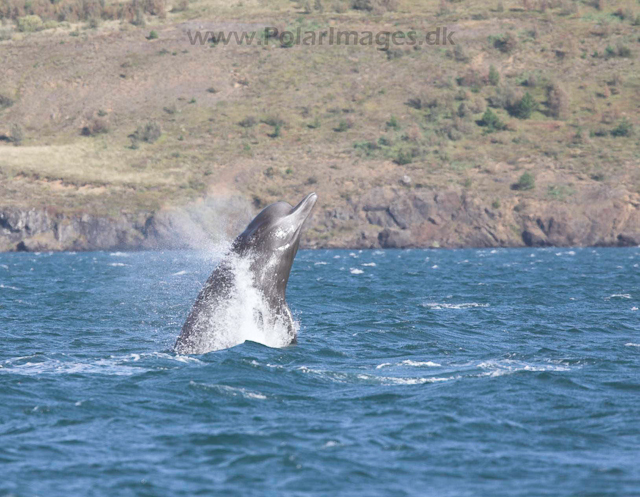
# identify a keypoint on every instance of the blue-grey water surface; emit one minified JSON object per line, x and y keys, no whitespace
{"x":424,"y":372}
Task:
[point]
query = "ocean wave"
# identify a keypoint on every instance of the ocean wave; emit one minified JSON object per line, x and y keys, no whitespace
{"x":54,"y":366}
{"x":632,"y":344}
{"x":354,"y":270}
{"x":119,"y":254}
{"x":395,"y":380}
{"x":508,"y":366}
{"x":411,"y":363}
{"x":111,"y":366}
{"x":117,"y":264}
{"x":618,"y":296}
{"x":229,"y":391}
{"x":437,"y":306}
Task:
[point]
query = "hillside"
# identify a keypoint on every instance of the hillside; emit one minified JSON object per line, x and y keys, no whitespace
{"x":117,"y":132}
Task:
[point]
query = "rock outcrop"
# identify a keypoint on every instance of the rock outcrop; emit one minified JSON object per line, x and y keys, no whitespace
{"x":384,"y":217}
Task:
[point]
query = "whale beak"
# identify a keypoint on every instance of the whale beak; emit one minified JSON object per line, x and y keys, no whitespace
{"x":301,"y":211}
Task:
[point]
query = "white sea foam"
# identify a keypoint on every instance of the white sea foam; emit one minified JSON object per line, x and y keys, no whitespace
{"x":394,"y":380}
{"x":8,"y":287}
{"x":370,"y":264}
{"x":618,"y":296}
{"x":384,"y":365}
{"x":508,"y":366}
{"x":331,"y":443}
{"x":52,"y":366}
{"x":117,"y":264}
{"x":230,"y":391}
{"x":411,"y":363}
{"x":111,"y":366}
{"x":354,"y":270}
{"x":320,"y":264}
{"x":243,"y":314}
{"x":438,"y":306}
{"x":435,"y":266}
{"x":430,"y":364}
{"x":4,"y":266}
{"x":179,"y":273}
{"x":632,"y":344}
{"x":271,"y":366}
{"x":119,"y":254}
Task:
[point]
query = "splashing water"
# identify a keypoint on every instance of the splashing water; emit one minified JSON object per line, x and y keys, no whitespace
{"x":242,"y":313}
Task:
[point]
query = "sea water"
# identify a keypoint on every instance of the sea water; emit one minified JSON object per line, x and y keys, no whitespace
{"x":422,"y":372}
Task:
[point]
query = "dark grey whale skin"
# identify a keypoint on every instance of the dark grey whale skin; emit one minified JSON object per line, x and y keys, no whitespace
{"x":270,"y":242}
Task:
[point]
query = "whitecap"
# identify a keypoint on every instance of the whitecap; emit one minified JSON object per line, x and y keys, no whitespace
{"x":103,"y":366}
{"x":370,"y":264}
{"x":618,"y":296}
{"x":117,"y":264}
{"x":430,"y":364}
{"x":409,"y":362}
{"x":119,"y":254}
{"x":632,"y":344}
{"x":4,"y":266}
{"x":320,"y":264}
{"x":438,"y":306}
{"x":243,"y":315}
{"x":179,"y":273}
{"x":8,"y":287}
{"x":394,"y":380}
{"x":354,"y":270}
{"x":331,"y":443}
{"x":508,"y":366}
{"x":435,"y":266}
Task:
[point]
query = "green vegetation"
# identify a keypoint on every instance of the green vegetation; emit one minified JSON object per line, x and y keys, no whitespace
{"x":16,"y":134}
{"x":524,"y":107}
{"x":491,"y":121}
{"x":526,"y":182}
{"x":625,"y":128}
{"x":30,"y":23}
{"x":494,"y":76}
{"x":149,"y":133}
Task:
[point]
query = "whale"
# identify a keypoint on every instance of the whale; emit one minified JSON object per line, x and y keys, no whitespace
{"x":245,"y":296}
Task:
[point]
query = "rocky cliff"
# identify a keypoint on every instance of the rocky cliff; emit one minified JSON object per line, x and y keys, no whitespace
{"x":385,"y":217}
{"x":395,"y":218}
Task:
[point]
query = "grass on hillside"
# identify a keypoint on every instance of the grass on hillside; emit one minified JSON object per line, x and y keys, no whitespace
{"x":557,"y":79}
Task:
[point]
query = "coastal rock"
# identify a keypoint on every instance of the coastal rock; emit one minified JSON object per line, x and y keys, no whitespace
{"x":385,"y":217}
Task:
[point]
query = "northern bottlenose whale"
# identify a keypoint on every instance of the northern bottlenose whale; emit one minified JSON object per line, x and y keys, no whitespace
{"x":250,"y":284}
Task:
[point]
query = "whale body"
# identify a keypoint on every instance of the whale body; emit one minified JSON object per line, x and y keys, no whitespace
{"x":245,"y":296}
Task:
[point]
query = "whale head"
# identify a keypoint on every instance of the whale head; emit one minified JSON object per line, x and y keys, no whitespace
{"x":271,"y":241}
